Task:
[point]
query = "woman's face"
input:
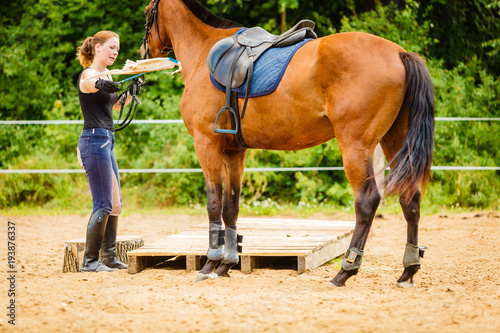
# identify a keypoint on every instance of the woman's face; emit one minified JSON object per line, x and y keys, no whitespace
{"x":108,"y":51}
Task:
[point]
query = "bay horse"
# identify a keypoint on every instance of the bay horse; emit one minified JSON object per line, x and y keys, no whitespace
{"x":361,"y":89}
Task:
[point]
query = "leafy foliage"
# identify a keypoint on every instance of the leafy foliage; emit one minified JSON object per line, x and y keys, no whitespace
{"x":459,"y":40}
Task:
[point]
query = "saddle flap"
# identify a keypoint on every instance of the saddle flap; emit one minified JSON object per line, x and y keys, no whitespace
{"x":217,"y":53}
{"x":225,"y":66}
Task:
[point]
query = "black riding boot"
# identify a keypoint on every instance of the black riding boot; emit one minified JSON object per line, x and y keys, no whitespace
{"x":108,"y":250}
{"x":95,"y":233}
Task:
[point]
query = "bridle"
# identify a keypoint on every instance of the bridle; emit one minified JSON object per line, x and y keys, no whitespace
{"x":153,"y":20}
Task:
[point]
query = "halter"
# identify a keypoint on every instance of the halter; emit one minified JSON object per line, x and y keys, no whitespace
{"x":153,"y":20}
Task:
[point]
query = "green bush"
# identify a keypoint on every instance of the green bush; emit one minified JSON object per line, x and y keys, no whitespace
{"x":41,"y":74}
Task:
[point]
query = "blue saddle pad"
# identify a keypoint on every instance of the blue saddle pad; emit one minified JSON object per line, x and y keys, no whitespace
{"x":268,"y":70}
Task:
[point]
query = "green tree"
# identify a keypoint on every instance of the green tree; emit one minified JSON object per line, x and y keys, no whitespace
{"x":38,"y":40}
{"x":466,"y":30}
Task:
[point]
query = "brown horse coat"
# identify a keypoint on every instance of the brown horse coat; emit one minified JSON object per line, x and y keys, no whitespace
{"x":356,"y":87}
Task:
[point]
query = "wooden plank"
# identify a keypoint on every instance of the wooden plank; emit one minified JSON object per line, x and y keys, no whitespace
{"x":321,"y":255}
{"x":138,"y":263}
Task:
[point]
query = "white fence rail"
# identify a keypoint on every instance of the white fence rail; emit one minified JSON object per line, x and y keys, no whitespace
{"x":197,"y":170}
{"x":33,"y":171}
{"x":178,"y":121}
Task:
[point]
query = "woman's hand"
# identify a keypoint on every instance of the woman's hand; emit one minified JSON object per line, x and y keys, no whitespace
{"x":107,"y":86}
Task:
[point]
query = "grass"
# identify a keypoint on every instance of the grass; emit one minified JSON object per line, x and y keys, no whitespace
{"x":259,"y":208}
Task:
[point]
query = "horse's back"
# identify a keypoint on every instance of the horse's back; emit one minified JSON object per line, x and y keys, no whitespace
{"x":346,"y":79}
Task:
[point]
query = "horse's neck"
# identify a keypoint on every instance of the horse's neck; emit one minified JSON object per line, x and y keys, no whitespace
{"x":191,"y":38}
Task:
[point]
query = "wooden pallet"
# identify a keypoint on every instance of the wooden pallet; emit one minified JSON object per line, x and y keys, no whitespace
{"x":301,"y":244}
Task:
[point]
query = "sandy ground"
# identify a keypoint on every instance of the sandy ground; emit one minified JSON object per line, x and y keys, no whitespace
{"x":458,"y":287}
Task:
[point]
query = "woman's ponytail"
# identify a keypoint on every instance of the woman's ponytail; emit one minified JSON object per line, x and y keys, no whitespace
{"x":85,"y":52}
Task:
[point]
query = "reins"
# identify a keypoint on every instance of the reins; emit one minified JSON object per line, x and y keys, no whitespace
{"x":133,"y":104}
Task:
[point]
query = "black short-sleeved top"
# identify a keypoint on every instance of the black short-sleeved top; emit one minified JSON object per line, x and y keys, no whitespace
{"x":97,"y":108}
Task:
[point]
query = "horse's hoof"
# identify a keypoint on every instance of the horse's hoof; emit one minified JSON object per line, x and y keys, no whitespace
{"x":405,"y":284}
{"x":334,"y":284}
{"x":202,"y":277}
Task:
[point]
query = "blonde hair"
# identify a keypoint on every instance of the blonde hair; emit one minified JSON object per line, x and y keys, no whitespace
{"x":86,"y":51}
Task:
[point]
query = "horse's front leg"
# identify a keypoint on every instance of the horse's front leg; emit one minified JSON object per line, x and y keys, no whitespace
{"x":215,"y":252}
{"x":210,"y":156}
{"x":234,"y":163}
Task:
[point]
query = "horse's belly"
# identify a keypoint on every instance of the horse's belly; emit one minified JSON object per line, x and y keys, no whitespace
{"x":289,"y":133}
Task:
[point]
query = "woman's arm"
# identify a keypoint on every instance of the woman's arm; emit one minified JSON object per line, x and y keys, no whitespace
{"x":88,"y":86}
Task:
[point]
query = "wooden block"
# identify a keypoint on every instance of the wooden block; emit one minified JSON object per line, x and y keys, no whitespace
{"x":193,"y":263}
{"x":133,"y":264}
{"x":73,"y":255}
{"x":247,"y":264}
{"x":136,"y":264}
{"x":75,"y":249}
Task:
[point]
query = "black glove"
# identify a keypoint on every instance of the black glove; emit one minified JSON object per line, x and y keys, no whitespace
{"x":135,"y":86}
{"x":107,"y":86}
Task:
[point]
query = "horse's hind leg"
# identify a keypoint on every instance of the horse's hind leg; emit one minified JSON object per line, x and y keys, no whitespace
{"x":391,"y":143}
{"x":411,"y":259}
{"x":234,"y":162}
{"x":359,"y":172}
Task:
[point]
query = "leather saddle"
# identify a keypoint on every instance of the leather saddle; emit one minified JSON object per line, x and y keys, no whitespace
{"x":231,"y":60}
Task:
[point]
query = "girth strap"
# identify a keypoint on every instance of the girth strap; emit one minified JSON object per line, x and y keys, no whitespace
{"x":238,"y":137}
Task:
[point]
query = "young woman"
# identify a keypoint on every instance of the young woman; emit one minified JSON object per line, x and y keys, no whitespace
{"x":98,"y":97}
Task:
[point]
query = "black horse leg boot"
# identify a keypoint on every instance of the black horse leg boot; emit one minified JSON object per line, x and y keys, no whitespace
{"x":95,"y":233}
{"x":216,"y":250}
{"x":231,"y":246}
{"x":108,"y":250}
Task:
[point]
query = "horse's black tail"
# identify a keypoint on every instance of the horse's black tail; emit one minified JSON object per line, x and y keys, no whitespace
{"x":411,"y":165}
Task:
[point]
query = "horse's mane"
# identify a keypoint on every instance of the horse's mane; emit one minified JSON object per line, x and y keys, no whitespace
{"x":207,"y":17}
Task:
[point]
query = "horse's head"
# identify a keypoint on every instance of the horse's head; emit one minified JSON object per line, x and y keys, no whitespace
{"x":156,"y":42}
